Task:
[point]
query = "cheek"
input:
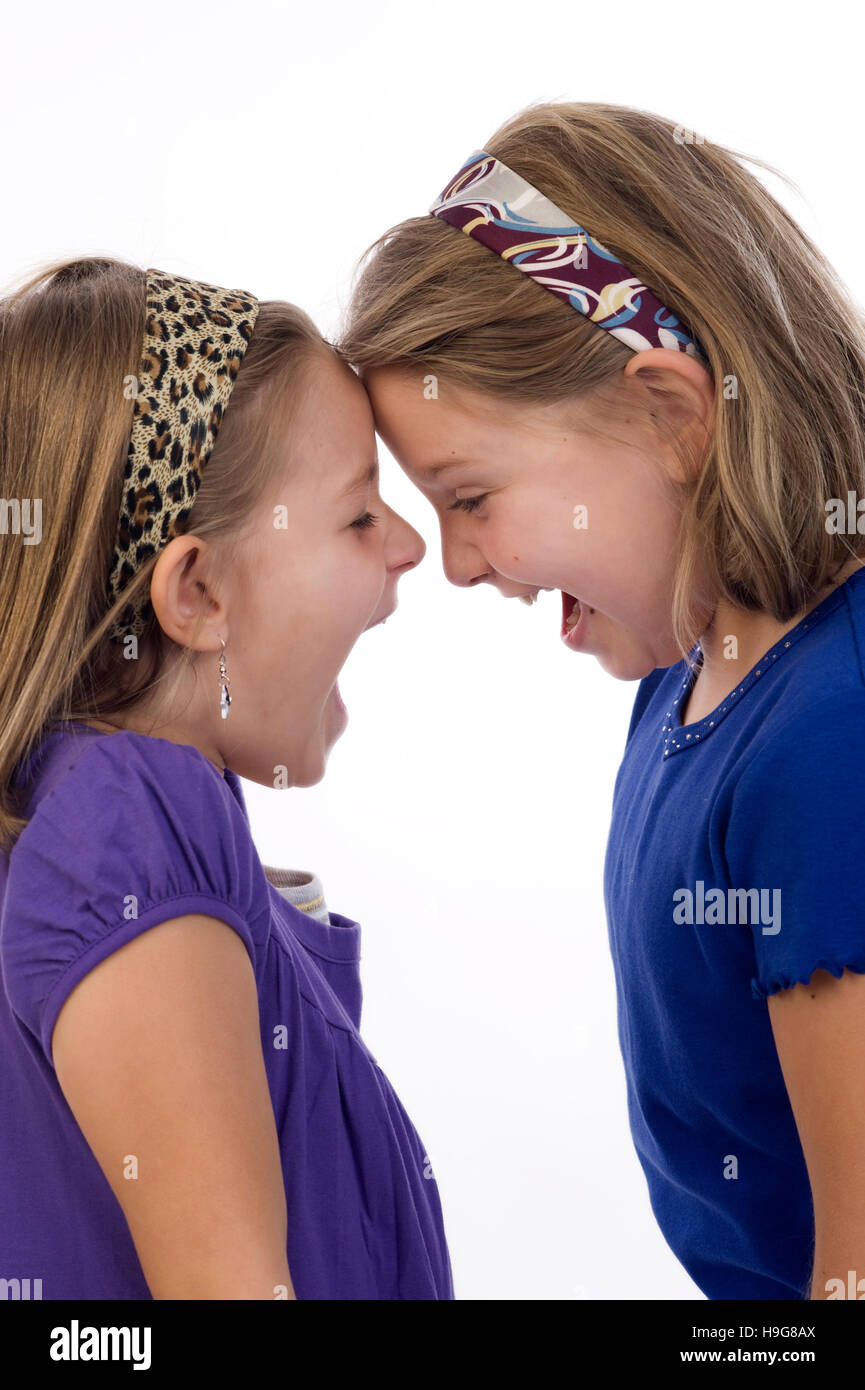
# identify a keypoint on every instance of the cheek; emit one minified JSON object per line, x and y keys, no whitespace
{"x":348,"y":601}
{"x":522,"y":540}
{"x":363,"y":579}
{"x":307,"y":620}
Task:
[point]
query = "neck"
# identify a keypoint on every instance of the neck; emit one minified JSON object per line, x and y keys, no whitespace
{"x":173,"y":733}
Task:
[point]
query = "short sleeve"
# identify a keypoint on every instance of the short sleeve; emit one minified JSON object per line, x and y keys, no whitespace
{"x":797,"y":834}
{"x":137,"y":831}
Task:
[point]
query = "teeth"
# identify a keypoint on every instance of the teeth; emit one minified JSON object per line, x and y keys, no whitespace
{"x":533,"y":597}
{"x":573,"y":617}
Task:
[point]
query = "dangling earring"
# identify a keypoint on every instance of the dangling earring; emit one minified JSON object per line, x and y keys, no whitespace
{"x":225,"y":682}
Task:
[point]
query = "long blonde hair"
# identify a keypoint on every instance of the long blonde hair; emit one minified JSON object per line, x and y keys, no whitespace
{"x":69,"y":338}
{"x":785,"y":341}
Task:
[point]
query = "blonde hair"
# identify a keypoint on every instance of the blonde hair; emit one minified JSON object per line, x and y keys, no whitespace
{"x":778,"y":327}
{"x":69,"y":338}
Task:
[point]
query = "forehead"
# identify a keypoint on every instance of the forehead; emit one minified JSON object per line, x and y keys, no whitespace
{"x":333,"y":418}
{"x":424,"y":420}
{"x":431,"y":425}
{"x":331,"y":392}
{"x":323,"y":433}
{"x":410,"y":388}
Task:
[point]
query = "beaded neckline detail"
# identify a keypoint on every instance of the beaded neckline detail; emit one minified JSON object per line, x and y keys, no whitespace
{"x":680,"y":736}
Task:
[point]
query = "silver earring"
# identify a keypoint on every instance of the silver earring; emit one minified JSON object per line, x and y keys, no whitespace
{"x":225,"y":682}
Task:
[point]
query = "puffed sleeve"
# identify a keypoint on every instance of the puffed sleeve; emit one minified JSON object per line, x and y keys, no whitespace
{"x":138,"y":831}
{"x":797,"y":834}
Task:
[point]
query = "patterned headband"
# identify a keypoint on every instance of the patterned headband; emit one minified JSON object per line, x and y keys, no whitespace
{"x":497,"y":207}
{"x":195,"y":338}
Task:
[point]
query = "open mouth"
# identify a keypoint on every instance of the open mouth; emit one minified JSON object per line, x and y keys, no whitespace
{"x":576,"y":619}
{"x":571,"y":610}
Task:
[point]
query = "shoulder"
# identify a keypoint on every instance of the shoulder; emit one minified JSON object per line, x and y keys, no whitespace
{"x":812,"y":736}
{"x":131,"y":795}
{"x":126,"y":831}
{"x":797,"y":771}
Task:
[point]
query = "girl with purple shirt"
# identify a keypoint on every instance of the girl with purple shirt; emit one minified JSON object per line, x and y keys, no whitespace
{"x":187,"y":1108}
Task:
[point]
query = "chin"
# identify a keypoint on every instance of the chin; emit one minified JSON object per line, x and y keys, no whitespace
{"x":312,"y":774}
{"x":315,"y":763}
{"x":625,"y":670}
{"x":629,"y":665}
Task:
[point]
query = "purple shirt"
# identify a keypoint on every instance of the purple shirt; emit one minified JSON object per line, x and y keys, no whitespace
{"x":128,"y":831}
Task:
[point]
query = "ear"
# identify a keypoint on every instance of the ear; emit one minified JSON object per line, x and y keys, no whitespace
{"x":684,"y":396}
{"x":186,"y":608}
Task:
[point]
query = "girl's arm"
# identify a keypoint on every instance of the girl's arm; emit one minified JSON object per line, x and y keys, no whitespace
{"x":158,"y":1052}
{"x":819,"y":1033}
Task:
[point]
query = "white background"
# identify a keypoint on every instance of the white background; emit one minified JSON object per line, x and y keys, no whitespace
{"x":464,"y":813}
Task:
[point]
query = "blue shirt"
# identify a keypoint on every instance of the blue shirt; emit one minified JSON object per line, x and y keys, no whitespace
{"x":763,"y":794}
{"x":125,"y":832}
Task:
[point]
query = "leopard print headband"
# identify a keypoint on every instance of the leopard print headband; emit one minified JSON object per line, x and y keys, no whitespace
{"x":195,"y":338}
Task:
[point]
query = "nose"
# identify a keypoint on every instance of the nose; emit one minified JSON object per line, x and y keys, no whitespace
{"x":462,"y":562}
{"x":406,"y":547}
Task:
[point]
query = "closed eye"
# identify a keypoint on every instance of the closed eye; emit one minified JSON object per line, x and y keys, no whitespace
{"x":467,"y":504}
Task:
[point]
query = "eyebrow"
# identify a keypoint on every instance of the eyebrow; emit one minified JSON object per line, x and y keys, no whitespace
{"x":364,"y":479}
{"x":442,"y":467}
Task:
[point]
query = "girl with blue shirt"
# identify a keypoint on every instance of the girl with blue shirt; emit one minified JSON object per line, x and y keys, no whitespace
{"x":187,"y":1108}
{"x":662,"y":417}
